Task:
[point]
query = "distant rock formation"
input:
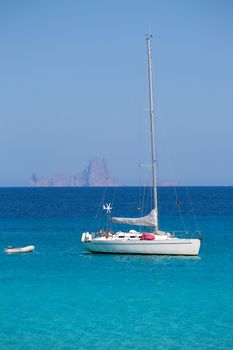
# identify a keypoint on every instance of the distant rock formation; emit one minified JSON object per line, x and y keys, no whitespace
{"x":97,"y":173}
{"x":38,"y":181}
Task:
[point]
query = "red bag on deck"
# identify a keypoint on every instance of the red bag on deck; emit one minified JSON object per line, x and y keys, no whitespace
{"x":148,"y":236}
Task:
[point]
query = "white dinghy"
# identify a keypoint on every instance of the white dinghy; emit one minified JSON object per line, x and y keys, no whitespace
{"x":134,"y":242}
{"x":27,"y":249}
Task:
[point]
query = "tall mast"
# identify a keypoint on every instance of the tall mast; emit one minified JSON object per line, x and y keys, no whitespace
{"x":149,"y":56}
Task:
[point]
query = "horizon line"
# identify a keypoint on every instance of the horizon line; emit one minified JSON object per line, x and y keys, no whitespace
{"x":104,"y":186}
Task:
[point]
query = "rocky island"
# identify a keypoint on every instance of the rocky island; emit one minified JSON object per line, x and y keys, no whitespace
{"x":97,"y":173}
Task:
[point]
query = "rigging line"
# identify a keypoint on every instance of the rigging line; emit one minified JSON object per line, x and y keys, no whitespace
{"x":146,"y":143}
{"x":143,"y":195}
{"x":101,"y":202}
{"x":100,"y":216}
{"x":145,"y":182}
{"x":114,"y":195}
{"x":139,"y":172}
{"x":180,"y":211}
{"x":99,"y":212}
{"x":151,"y":197}
{"x":193,"y":211}
{"x":143,"y":198}
{"x":139,"y":187}
{"x":159,"y":204}
{"x":144,"y":146}
{"x":171,"y":176}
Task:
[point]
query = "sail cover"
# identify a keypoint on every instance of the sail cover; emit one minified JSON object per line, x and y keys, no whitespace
{"x":148,"y":220}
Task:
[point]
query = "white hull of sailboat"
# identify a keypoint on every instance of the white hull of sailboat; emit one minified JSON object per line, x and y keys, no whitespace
{"x":173,"y":246}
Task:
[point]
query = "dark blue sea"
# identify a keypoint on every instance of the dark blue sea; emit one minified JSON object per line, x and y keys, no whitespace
{"x":63,"y":298}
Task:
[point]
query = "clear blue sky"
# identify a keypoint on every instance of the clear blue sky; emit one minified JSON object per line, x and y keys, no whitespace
{"x":74,"y":85}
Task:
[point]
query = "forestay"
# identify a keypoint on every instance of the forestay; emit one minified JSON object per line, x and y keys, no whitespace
{"x":148,"y":220}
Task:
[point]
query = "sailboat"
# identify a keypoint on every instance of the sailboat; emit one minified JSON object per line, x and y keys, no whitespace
{"x":135,"y":242}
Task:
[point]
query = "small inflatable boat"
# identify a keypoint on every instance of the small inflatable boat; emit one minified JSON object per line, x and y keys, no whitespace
{"x":27,"y":249}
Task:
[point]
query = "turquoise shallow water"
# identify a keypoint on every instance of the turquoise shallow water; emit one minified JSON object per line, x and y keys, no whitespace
{"x":61,"y":297}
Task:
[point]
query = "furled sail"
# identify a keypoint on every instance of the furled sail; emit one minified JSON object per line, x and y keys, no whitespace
{"x":148,"y":220}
